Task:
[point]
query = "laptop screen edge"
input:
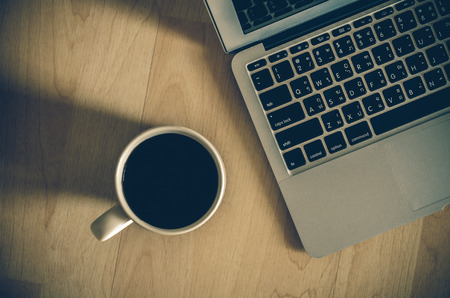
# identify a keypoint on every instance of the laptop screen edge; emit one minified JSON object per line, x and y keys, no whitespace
{"x":232,"y":37}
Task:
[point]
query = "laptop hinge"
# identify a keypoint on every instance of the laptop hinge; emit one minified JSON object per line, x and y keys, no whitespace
{"x":319,"y":22}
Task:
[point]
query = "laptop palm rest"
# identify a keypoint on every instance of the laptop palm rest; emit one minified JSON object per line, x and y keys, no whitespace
{"x":421,"y":164}
{"x":367,"y":192}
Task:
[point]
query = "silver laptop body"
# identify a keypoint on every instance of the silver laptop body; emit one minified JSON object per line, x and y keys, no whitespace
{"x":381,"y":179}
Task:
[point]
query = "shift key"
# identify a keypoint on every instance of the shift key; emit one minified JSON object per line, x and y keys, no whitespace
{"x":299,"y":134}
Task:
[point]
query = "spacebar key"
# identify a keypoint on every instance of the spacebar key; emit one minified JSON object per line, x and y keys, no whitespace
{"x":412,"y":111}
{"x":298,"y":134}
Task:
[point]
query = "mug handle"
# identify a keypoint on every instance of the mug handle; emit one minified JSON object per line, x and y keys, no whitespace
{"x":110,"y":223}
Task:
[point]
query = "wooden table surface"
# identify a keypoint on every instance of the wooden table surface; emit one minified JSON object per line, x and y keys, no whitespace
{"x":78,"y":80}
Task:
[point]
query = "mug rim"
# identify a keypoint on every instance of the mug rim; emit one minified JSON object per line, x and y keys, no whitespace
{"x":152,"y":132}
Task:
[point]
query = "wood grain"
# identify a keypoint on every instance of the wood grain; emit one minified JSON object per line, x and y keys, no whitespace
{"x":78,"y":79}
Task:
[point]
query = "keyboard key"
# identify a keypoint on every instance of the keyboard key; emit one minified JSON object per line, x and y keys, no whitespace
{"x":298,"y":134}
{"x":335,"y":142}
{"x":275,"y":97}
{"x":298,"y":48}
{"x":344,"y":46}
{"x":382,"y":54}
{"x":242,"y":4}
{"x":243,"y":20}
{"x":363,"y":21}
{"x":426,"y":13}
{"x":294,"y":159}
{"x":303,"y":63}
{"x":282,"y":71}
{"x":315,"y":150}
{"x":301,"y":87}
{"x":396,"y":71}
{"x":358,"y":133}
{"x":364,"y":38}
{"x":257,"y":64}
{"x":332,"y":120}
{"x":447,"y":70}
{"x":278,"y":56}
{"x":442,"y":28}
{"x":314,"y":104}
{"x":323,"y":54}
{"x":411,"y":111}
{"x":320,"y":39}
{"x":385,"y":29}
{"x":414,"y":87}
{"x":352,"y":112}
{"x":375,"y":79}
{"x":354,"y":88}
{"x":257,"y":11}
{"x":341,"y":30}
{"x":403,"y":45}
{"x":246,"y":26}
{"x":262,"y":79}
{"x":443,"y":6}
{"x":437,"y":55}
{"x":393,"y":95}
{"x":341,"y":70}
{"x":405,"y":21}
{"x":404,"y":4}
{"x":424,"y":37}
{"x":384,"y":13}
{"x":362,"y":62}
{"x":286,"y":116}
{"x":416,"y":63}
{"x":334,"y":96}
{"x":434,"y":79}
{"x":373,"y":104}
{"x":275,"y":5}
{"x":321,"y":78}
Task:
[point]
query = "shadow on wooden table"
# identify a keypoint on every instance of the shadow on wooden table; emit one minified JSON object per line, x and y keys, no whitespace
{"x":55,"y":146}
{"x":52,"y":145}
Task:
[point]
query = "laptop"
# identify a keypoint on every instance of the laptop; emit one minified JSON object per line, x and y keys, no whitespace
{"x":350,"y":100}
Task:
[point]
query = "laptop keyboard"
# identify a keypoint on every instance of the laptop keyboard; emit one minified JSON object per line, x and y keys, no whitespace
{"x":254,"y":14}
{"x":356,"y":84}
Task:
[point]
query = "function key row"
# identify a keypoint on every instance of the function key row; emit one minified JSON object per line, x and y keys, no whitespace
{"x":278,"y":56}
{"x":384,"y":29}
{"x":299,"y":47}
{"x":365,"y":37}
{"x":402,"y":46}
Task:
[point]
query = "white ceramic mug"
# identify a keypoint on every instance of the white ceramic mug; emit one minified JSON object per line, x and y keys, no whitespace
{"x":169,"y":180}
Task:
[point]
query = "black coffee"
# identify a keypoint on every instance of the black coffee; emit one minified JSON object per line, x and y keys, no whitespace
{"x":170,"y":181}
